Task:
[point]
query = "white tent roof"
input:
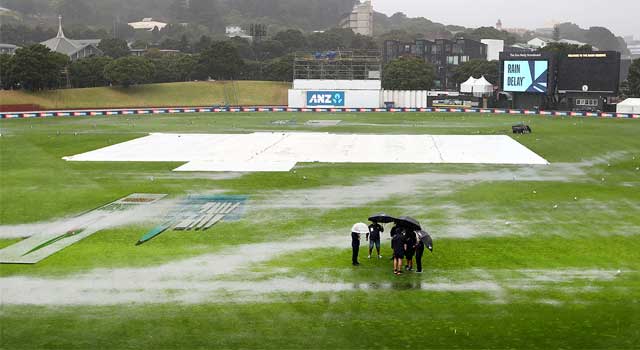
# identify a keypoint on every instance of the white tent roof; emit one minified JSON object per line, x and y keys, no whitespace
{"x":476,"y":86}
{"x":468,"y":85}
{"x":630,"y":105}
{"x":483,"y":85}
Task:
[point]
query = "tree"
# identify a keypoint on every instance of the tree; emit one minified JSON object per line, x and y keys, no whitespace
{"x":130,"y":70}
{"x":75,"y":11}
{"x":22,"y":35}
{"x":89,"y":72}
{"x":560,"y":49}
{"x":292,"y":39}
{"x":556,"y":32}
{"x":634,"y":78}
{"x":205,"y":12}
{"x":202,"y":44}
{"x":221,"y":61}
{"x":325,"y":41}
{"x":408,"y":73}
{"x":38,"y":68}
{"x":488,"y":33}
{"x":172,"y":68}
{"x":114,"y":48}
{"x":27,"y":7}
{"x":123,"y":31}
{"x":244,"y":47}
{"x":7,"y":80}
{"x":268,"y":49}
{"x":478,"y":68}
{"x":280,"y":69}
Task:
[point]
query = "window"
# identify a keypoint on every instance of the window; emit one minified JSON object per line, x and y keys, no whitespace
{"x":586,"y":102}
{"x":464,"y":59}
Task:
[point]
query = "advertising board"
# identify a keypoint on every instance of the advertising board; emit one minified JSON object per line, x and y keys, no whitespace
{"x":325,"y":98}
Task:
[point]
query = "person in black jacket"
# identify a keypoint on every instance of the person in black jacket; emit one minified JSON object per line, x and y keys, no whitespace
{"x":399,"y":246}
{"x":419,"y":253}
{"x":373,"y":236}
{"x":411,"y":242}
{"x":355,"y":246}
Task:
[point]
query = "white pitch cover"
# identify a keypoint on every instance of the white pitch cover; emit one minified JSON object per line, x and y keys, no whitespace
{"x":279,"y":151}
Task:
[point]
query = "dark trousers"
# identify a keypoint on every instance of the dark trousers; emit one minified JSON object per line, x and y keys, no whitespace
{"x":356,"y":249}
{"x":419,"y":253}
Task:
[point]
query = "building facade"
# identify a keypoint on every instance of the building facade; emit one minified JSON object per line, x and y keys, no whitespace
{"x":445,"y":55}
{"x":360,"y":20}
{"x":8,"y":49}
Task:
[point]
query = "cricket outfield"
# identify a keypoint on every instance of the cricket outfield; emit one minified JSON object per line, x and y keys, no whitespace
{"x":526,"y":256}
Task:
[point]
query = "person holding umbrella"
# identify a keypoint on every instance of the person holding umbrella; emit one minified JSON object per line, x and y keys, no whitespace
{"x":419,"y":253}
{"x":356,"y":231}
{"x":375,"y":230}
{"x":424,"y":239}
{"x":399,"y":246}
{"x":411,"y":244}
{"x":409,"y":225}
{"x":373,"y":236}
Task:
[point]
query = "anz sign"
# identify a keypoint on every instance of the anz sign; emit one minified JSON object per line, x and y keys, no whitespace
{"x":325,"y":98}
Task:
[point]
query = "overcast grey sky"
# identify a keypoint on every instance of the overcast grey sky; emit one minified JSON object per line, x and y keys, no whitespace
{"x":621,"y":16}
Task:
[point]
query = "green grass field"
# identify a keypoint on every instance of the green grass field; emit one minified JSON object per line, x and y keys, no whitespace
{"x":152,"y":95}
{"x":525,"y":257}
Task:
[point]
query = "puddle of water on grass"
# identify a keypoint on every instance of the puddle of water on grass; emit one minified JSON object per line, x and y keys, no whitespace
{"x":201,"y":280}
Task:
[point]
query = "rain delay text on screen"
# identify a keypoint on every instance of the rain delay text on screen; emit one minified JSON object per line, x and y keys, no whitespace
{"x":514,"y":68}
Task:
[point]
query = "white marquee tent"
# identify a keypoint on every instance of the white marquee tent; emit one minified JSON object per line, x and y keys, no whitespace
{"x":477,"y":87}
{"x":630,"y":105}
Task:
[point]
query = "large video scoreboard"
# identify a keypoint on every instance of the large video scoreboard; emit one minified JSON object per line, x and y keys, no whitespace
{"x":589,"y":72}
{"x":528,"y":72}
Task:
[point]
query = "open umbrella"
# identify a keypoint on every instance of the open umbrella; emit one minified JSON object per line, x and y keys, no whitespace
{"x":382,"y":218}
{"x":360,"y":228}
{"x":426,"y":239}
{"x":409,"y":222}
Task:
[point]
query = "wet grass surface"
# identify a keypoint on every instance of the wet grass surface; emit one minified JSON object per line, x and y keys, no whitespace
{"x":578,"y":216}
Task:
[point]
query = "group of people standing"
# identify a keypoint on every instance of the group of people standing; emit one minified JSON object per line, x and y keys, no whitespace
{"x":405,"y":244}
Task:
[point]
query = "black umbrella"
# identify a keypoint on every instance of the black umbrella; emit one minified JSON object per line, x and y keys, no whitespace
{"x":426,"y":239}
{"x":382,"y":218}
{"x":408,"y":222}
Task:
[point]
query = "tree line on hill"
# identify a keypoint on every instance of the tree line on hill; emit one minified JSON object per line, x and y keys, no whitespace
{"x":37,"y":68}
{"x":34,"y":67}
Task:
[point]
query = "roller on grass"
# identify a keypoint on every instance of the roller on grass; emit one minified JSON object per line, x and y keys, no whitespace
{"x":155,"y":232}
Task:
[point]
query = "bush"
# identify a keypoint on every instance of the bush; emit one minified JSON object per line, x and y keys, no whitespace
{"x":131,"y":70}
